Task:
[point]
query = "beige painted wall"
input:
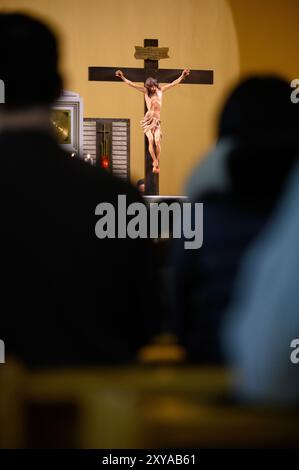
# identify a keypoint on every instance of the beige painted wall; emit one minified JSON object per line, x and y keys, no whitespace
{"x":232,"y":37}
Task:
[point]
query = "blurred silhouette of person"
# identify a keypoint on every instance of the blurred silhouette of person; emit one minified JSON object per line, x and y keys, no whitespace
{"x":66,"y":296}
{"x":140,"y":185}
{"x":241,"y":182}
{"x":261,"y":332}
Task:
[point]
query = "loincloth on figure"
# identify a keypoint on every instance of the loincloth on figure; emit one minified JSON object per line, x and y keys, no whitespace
{"x":150,"y":123}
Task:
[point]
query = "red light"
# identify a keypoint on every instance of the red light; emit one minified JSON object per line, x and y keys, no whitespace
{"x":105,"y":162}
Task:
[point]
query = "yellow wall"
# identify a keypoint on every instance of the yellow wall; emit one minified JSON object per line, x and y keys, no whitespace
{"x":267,"y":32}
{"x":232,"y":37}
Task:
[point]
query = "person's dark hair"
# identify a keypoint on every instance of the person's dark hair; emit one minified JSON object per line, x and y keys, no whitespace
{"x":264,"y":124}
{"x":150,"y":82}
{"x":28,"y":62}
{"x":258,"y":106}
{"x":140,"y":182}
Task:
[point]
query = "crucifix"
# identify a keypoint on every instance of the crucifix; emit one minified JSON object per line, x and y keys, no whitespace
{"x":151,"y":54}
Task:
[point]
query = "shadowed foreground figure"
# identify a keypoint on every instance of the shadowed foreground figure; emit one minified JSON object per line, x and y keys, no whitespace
{"x":67,"y":297}
{"x":261,"y":333}
{"x":243,"y":179}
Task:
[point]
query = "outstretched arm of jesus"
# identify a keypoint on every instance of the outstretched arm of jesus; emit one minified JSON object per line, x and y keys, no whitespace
{"x":120,"y":74}
{"x":183,"y":75}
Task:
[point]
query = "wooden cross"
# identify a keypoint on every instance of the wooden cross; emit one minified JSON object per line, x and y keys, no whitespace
{"x":151,"y":54}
